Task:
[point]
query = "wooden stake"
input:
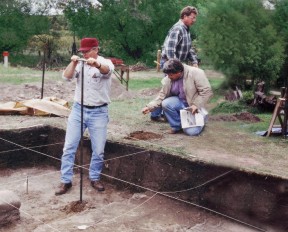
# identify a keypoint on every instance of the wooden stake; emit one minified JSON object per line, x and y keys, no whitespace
{"x":158,"y":60}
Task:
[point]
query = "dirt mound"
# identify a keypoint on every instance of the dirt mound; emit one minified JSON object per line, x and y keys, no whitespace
{"x":244,"y":116}
{"x":75,"y":207}
{"x":143,"y":135}
{"x":150,"y":92}
{"x":138,"y":67}
{"x":225,"y":118}
{"x":61,"y":89}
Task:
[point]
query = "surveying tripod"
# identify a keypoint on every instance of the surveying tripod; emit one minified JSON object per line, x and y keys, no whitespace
{"x":280,"y":110}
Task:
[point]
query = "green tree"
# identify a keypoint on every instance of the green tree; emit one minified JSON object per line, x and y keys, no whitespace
{"x":130,"y":29}
{"x":17,"y":24}
{"x":48,"y":43}
{"x":137,"y":29}
{"x":280,"y":21}
{"x":81,"y":17}
{"x":240,"y":40}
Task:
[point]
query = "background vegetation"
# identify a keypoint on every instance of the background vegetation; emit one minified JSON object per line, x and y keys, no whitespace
{"x":243,"y":39}
{"x":239,"y":38}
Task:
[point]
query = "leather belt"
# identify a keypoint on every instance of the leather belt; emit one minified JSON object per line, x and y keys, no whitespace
{"x":95,"y":107}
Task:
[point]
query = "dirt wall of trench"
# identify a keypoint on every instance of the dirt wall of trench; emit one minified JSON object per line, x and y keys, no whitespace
{"x":259,"y":200}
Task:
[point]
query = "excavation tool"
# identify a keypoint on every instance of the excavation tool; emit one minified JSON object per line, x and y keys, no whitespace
{"x":81,"y":131}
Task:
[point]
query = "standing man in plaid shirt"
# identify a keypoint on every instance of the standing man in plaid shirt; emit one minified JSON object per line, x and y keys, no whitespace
{"x":178,"y":43}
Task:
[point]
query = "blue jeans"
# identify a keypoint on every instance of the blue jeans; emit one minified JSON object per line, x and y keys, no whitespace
{"x":162,"y":61}
{"x":96,"y":121}
{"x":171,"y":107}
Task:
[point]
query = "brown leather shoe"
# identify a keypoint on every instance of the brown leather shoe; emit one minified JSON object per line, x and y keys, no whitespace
{"x":171,"y":131}
{"x":97,"y":185}
{"x":63,"y":188}
{"x":158,"y":119}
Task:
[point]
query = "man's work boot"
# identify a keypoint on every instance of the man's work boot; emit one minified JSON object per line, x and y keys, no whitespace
{"x":97,"y":185}
{"x":172,"y":131}
{"x":63,"y":188}
{"x":158,"y":119}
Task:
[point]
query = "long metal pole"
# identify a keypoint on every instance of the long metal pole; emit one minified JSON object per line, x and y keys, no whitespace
{"x":43,"y":73}
{"x":81,"y":145}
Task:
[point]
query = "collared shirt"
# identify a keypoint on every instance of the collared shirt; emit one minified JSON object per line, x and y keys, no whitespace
{"x":178,"y":44}
{"x":195,"y":85}
{"x":177,"y":89}
{"x":97,"y":86}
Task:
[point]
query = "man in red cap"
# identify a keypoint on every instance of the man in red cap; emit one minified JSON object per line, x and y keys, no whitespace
{"x":97,"y":84}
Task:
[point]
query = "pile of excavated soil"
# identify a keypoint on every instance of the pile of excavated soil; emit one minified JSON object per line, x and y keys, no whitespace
{"x":143,"y":135}
{"x":243,"y":116}
{"x":248,"y":117}
{"x":61,"y":89}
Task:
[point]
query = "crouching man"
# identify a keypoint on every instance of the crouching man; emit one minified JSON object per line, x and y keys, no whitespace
{"x":183,"y":86}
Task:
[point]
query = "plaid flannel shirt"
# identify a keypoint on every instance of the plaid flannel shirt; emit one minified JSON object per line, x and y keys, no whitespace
{"x":178,"y":44}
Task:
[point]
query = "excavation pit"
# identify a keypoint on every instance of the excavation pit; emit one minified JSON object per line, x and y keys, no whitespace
{"x":145,"y":190}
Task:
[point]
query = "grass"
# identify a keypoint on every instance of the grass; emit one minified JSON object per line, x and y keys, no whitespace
{"x":129,"y":107}
{"x":128,"y":112}
{"x":20,"y":75}
{"x":138,"y":84}
{"x":216,"y":83}
{"x":24,"y":60}
{"x":153,"y":82}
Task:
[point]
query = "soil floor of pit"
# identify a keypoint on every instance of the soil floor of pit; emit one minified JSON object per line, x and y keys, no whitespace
{"x":111,"y":210}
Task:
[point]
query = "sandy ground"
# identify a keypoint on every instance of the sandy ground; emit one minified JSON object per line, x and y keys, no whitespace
{"x":111,"y":210}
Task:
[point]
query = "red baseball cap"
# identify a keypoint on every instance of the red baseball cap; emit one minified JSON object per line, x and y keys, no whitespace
{"x":87,"y":44}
